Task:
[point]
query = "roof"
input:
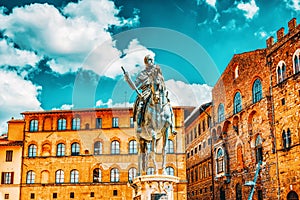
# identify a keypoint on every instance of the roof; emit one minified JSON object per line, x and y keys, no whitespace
{"x":5,"y":142}
{"x":196,"y":112}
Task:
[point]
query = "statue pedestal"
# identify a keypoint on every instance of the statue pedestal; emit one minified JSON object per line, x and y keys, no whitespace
{"x":154,"y":187}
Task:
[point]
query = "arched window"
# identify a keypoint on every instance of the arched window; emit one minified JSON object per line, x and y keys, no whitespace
{"x":114,"y":175}
{"x":30,"y":177}
{"x":97,"y":148}
{"x":292,"y":195}
{"x":236,"y":72}
{"x":170,"y":146}
{"x":75,"y":149}
{"x":34,"y":125}
{"x":286,"y":139}
{"x":258,"y":149}
{"x":150,"y":171}
{"x":221,"y":116}
{"x":60,"y":149}
{"x":46,"y":149}
{"x":61,"y":124}
{"x":132,"y":147}
{"x":115,"y":147}
{"x":256,"y":91}
{"x":131,"y":174}
{"x":204,"y":171}
{"x":237,"y":106}
{"x":170,"y":171}
{"x":296,"y":61}
{"x":97,"y":175}
{"x":76,"y":123}
{"x":32,"y":151}
{"x":74,"y":176}
{"x":240,"y":162}
{"x":59,"y":176}
{"x":220,"y":160}
{"x":281,"y":71}
{"x":238,"y":192}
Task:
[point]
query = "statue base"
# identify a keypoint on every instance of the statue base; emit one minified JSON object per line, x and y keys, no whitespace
{"x":154,"y":187}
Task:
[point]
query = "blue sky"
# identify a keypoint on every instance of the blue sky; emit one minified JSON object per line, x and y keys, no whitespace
{"x":67,"y":54}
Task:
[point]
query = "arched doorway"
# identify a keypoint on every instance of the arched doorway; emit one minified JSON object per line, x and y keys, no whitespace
{"x":238,"y":191}
{"x":292,"y":195}
{"x":222,"y":194}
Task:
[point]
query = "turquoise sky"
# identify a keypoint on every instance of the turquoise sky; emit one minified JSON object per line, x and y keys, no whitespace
{"x":67,"y":54}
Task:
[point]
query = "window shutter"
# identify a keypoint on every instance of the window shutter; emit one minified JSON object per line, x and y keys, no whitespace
{"x":2,"y":178}
{"x":12,"y":178}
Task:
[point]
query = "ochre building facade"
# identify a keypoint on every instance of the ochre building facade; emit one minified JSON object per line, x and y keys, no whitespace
{"x":10,"y":160}
{"x":90,"y":154}
{"x":199,"y":153}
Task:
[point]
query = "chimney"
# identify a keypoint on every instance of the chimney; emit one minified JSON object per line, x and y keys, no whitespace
{"x":15,"y":130}
{"x":280,"y":33}
{"x":292,"y":24}
{"x":270,"y":41}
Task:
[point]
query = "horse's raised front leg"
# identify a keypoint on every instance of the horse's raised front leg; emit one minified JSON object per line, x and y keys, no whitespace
{"x":142,"y":157}
{"x":164,"y":149}
{"x":153,"y":152}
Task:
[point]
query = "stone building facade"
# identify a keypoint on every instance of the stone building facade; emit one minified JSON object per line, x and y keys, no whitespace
{"x":89,"y":154}
{"x":199,"y":154}
{"x":255,"y":122}
{"x":283,"y":59}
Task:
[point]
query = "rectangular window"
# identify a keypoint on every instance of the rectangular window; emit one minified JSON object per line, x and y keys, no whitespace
{"x":32,"y":195}
{"x":131,"y":122}
{"x":115,"y":192}
{"x":115,"y":122}
{"x":7,"y":178}
{"x":6,"y":196}
{"x":98,"y":122}
{"x":283,"y":101}
{"x":9,"y":155}
{"x":259,"y":195}
{"x":92,"y":194}
{"x":54,"y":195}
{"x":72,"y":195}
{"x":209,"y":141}
{"x":208,"y":122}
{"x":203,"y":125}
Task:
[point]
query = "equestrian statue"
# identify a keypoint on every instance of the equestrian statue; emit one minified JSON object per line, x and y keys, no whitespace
{"x":152,"y":113}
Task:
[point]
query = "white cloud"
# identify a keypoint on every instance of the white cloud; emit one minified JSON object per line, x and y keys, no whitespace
{"x":211,"y":3}
{"x":111,"y":104}
{"x":16,"y":95}
{"x":106,"y":61}
{"x":183,"y":94}
{"x":250,"y":9}
{"x":9,"y":55}
{"x":293,"y":4}
{"x":64,"y":107}
{"x":67,"y":40}
{"x":231,"y":25}
{"x":261,"y":33}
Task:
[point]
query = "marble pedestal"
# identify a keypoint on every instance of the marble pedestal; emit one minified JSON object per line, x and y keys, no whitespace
{"x":154,"y":187}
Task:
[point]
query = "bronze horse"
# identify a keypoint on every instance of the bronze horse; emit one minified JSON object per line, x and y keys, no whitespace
{"x":157,"y":122}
